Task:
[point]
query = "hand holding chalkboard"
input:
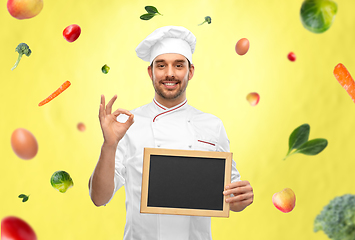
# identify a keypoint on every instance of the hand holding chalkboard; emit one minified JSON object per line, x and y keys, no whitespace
{"x":112,"y":130}
{"x":242,"y":195}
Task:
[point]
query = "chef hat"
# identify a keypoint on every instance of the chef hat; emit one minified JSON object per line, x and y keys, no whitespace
{"x":169,"y":39}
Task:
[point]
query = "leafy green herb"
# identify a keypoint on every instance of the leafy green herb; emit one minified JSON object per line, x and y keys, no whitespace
{"x":147,"y":16}
{"x":105,"y":69}
{"x":313,"y":147}
{"x":22,"y":49}
{"x":207,"y":20}
{"x":152,"y":11}
{"x":299,"y":141}
{"x":24,"y":197}
{"x":298,"y":137}
{"x":318,"y":15}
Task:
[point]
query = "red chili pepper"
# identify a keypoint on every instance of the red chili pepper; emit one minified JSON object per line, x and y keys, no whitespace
{"x":72,"y":32}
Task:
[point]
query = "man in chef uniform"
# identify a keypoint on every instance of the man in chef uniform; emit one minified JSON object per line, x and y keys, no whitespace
{"x":167,"y":122}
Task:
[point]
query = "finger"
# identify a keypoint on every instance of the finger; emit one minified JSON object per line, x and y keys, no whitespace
{"x":102,"y":100}
{"x":237,"y":184}
{"x":101,"y":113}
{"x":101,"y":109}
{"x":238,"y":190}
{"x":130,"y":121}
{"x":240,"y":198}
{"x":109,"y":105}
{"x":121,"y":111}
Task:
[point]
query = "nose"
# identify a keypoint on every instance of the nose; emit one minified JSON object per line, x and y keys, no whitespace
{"x":170,"y":72}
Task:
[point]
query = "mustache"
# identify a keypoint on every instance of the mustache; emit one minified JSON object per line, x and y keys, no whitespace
{"x":170,"y":79}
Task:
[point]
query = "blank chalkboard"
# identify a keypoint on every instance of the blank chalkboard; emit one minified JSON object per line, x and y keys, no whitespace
{"x":185,"y":182}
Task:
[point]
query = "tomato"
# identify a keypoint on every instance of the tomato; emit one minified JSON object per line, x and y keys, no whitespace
{"x":291,"y":56}
{"x":14,"y":228}
{"x":72,"y":32}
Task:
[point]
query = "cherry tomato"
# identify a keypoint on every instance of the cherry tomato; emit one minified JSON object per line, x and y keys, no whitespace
{"x":291,"y":56}
{"x":72,"y":32}
{"x":15,"y":228}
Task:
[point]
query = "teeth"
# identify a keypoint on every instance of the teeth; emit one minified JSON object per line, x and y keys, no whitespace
{"x":169,"y":84}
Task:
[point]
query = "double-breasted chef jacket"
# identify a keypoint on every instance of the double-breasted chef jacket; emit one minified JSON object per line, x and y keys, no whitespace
{"x":155,"y":126}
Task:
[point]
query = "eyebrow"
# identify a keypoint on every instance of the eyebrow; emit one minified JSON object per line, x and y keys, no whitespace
{"x":178,"y":60}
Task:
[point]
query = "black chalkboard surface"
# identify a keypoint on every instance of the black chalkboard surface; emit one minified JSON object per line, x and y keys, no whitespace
{"x":185,"y":182}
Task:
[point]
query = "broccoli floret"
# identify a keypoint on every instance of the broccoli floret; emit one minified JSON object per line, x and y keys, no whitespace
{"x":22,"y":48}
{"x":337,"y":219}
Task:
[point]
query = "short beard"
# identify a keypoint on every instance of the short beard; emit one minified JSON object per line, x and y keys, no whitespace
{"x":173,"y":96}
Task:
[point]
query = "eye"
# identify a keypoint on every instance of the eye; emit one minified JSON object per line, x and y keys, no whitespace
{"x":179,"y":65}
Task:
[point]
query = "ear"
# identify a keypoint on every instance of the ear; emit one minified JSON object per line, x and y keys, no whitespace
{"x":191,"y":71}
{"x":150,"y":72}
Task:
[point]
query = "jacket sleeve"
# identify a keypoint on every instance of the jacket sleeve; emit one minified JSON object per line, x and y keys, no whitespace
{"x":223,"y":146}
{"x":120,"y":166}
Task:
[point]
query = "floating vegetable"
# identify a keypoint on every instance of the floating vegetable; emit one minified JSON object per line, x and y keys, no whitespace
{"x":344,"y":78}
{"x":105,"y":69}
{"x":64,"y":86}
{"x":22,"y":48}
{"x":291,"y":56}
{"x":299,"y":141}
{"x":24,"y":197}
{"x":72,"y":32}
{"x":337,"y":219}
{"x":152,"y":11}
{"x":318,"y":15}
{"x":61,"y":181}
{"x":207,"y":20}
{"x":14,"y":228}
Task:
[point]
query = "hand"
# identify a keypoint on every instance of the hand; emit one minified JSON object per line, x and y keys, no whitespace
{"x":243,"y":195}
{"x":113,"y":130}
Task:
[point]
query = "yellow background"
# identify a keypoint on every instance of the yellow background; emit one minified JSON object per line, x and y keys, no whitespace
{"x":292,"y":93}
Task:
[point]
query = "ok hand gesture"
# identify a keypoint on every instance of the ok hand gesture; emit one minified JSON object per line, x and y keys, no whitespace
{"x":112,"y":130}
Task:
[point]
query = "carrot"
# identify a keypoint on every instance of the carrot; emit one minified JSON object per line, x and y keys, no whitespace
{"x":64,"y":86}
{"x":345,"y":80}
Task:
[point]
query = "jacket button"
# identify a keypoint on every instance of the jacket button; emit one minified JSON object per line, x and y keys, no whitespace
{"x":158,"y":145}
{"x":190,"y":146}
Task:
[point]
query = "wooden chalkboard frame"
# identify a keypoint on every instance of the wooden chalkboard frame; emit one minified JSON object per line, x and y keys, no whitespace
{"x":226,"y":156}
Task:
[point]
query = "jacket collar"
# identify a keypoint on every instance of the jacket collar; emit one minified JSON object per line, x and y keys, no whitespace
{"x":159,"y":109}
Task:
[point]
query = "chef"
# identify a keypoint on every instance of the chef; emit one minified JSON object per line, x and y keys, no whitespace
{"x":167,"y":122}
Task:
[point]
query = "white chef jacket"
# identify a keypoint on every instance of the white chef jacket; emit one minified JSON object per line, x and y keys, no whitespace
{"x":156,"y":126}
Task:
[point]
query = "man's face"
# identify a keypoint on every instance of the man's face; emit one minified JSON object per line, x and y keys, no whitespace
{"x":170,"y":74}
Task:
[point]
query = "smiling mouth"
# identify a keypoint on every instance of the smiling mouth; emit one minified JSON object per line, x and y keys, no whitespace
{"x":170,"y":83}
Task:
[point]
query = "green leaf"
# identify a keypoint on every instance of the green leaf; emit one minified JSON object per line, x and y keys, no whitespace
{"x":25,"y":197}
{"x":313,"y":147}
{"x":298,"y":137}
{"x":147,"y":16}
{"x":151,"y":9}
